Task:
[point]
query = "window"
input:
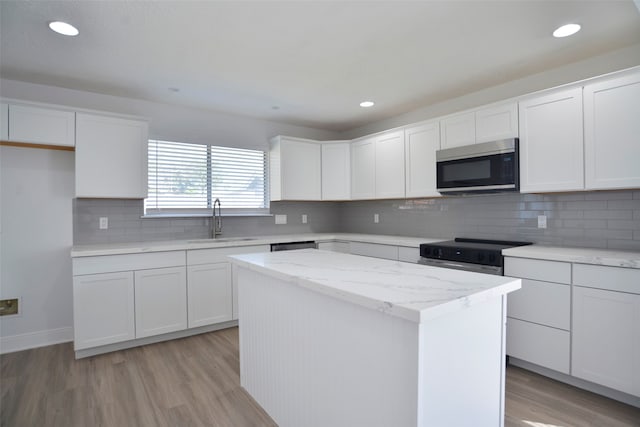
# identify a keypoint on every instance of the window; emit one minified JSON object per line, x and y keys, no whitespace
{"x":186,"y":179}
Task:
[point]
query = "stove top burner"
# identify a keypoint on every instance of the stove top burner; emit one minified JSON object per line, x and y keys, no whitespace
{"x":474,"y":251}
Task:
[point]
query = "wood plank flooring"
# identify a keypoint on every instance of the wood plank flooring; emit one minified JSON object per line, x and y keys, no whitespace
{"x":195,"y":382}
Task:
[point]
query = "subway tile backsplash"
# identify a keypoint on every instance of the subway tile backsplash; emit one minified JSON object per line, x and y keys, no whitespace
{"x":606,"y":219}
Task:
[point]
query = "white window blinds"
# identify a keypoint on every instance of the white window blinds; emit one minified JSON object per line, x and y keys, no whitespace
{"x":186,"y":179}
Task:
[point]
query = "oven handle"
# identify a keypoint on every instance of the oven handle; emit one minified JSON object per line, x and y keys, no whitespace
{"x":476,"y":268}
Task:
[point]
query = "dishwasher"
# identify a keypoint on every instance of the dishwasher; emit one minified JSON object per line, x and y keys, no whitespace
{"x":290,"y":246}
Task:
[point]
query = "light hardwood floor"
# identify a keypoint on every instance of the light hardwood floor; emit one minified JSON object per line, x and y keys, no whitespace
{"x":195,"y":382}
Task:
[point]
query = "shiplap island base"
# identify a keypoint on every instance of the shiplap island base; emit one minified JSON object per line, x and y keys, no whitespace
{"x":330,"y":339}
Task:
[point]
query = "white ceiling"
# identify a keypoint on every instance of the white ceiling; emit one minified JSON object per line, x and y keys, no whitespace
{"x":313,"y":60}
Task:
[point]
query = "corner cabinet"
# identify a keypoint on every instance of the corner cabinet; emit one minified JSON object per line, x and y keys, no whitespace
{"x":420,"y":146}
{"x":551,"y":142}
{"x":111,"y":157}
{"x":295,"y":169}
{"x":363,"y":169}
{"x":336,"y":170}
{"x":612,"y":133}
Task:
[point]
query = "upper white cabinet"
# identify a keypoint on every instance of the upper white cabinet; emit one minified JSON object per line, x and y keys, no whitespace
{"x":420,"y":146}
{"x":612,"y":133}
{"x":363,"y":169}
{"x":336,"y":171}
{"x":295,"y":168}
{"x":486,"y":124}
{"x":4,"y":122}
{"x":38,"y":125}
{"x":551,"y":143}
{"x":458,"y":130}
{"x":111,"y":157}
{"x":389,"y":167}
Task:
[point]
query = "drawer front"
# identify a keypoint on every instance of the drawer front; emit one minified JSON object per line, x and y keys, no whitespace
{"x":609,"y":278}
{"x":547,"y":271}
{"x":128,"y":262}
{"x":342,"y":247}
{"x":541,"y":302}
{"x":408,"y":254}
{"x":541,"y":345}
{"x":374,"y":250}
{"x":208,"y":256}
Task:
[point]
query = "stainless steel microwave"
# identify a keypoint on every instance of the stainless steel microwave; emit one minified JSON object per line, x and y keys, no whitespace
{"x":488,"y":167}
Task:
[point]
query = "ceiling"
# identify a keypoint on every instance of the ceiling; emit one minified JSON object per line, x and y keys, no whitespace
{"x":303,"y":62}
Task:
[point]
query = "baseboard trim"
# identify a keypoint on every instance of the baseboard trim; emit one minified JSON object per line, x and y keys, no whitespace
{"x":13,"y":343}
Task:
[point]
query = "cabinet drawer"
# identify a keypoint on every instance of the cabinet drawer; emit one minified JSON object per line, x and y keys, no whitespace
{"x":208,"y":256}
{"x":610,"y":278}
{"x":127,"y":262}
{"x":334,"y":246}
{"x":547,"y":271}
{"x":541,"y":345}
{"x":541,"y":302}
{"x":408,"y":254}
{"x":374,"y":250}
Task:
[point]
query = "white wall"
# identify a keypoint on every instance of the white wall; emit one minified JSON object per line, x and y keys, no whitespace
{"x":170,"y":122}
{"x":36,"y":189}
{"x":598,"y":65}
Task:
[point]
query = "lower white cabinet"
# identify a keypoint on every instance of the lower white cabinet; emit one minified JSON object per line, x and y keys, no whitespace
{"x":342,"y":247}
{"x":209,"y":294}
{"x":160,"y":301}
{"x":539,"y":344}
{"x":103,"y":309}
{"x":374,"y":250}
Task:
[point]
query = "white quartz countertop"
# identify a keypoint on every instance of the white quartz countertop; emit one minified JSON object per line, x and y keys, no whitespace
{"x":222,"y":242}
{"x":606,"y":257}
{"x":411,"y":291}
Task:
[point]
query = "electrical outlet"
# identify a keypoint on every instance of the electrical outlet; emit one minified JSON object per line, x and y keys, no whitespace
{"x":304,"y":218}
{"x":281,"y":219}
{"x":104,"y":223}
{"x":376,"y":218}
{"x":542,"y":221}
{"x":8,"y":306}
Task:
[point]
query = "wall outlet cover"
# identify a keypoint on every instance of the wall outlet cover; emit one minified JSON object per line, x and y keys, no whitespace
{"x":281,"y":219}
{"x":376,"y":218}
{"x":304,"y":218}
{"x":104,"y":223}
{"x":542,"y":221}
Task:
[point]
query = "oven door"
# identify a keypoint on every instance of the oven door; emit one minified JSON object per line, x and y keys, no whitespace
{"x":490,"y":173}
{"x":466,"y":266}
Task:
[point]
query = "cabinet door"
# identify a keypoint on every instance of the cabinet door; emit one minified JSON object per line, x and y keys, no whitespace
{"x":111,"y":157}
{"x":38,"y":125}
{"x":612,"y":133}
{"x":300,"y":170}
{"x":363,"y":169}
{"x":209,"y":294}
{"x":4,"y":122}
{"x":551,"y":143}
{"x":374,"y":250}
{"x":606,"y":338}
{"x":336,"y":171}
{"x":496,"y":123}
{"x":161,"y":301}
{"x":458,"y":130}
{"x":421,"y":144}
{"x":389,"y":166}
{"x":103,"y":309}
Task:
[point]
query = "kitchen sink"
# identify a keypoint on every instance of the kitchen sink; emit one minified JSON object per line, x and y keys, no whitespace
{"x":224,"y":239}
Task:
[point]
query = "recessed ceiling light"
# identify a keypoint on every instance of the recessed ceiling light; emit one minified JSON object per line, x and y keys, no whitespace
{"x":63,"y":28}
{"x":367,"y":104}
{"x":566,"y":30}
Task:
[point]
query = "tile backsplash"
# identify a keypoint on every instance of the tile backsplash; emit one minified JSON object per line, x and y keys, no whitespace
{"x":606,"y":219}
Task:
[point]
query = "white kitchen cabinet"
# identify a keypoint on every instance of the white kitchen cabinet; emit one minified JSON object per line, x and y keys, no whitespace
{"x":363,"y":169}
{"x":389,"y":165}
{"x":612,"y":133}
{"x":606,"y":327}
{"x":421,"y":143}
{"x":458,"y":130}
{"x":374,"y":250}
{"x":160,"y":301}
{"x":40,"y":125}
{"x":4,"y":122}
{"x":541,"y":345}
{"x":336,"y":171}
{"x":406,"y":254}
{"x":551,"y":142}
{"x":103,"y":309}
{"x":209,"y":294}
{"x":111,"y":157}
{"x":295,"y":169}
{"x":497,"y":122}
{"x":342,"y":247}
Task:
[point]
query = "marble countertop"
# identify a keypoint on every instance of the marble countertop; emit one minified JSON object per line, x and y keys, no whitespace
{"x":222,"y":242}
{"x":411,"y":291}
{"x":606,"y":257}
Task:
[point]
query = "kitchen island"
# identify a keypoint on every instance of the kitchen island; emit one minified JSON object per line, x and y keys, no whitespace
{"x":330,"y":339}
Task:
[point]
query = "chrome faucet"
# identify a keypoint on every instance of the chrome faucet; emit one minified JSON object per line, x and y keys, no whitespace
{"x":216,"y":220}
